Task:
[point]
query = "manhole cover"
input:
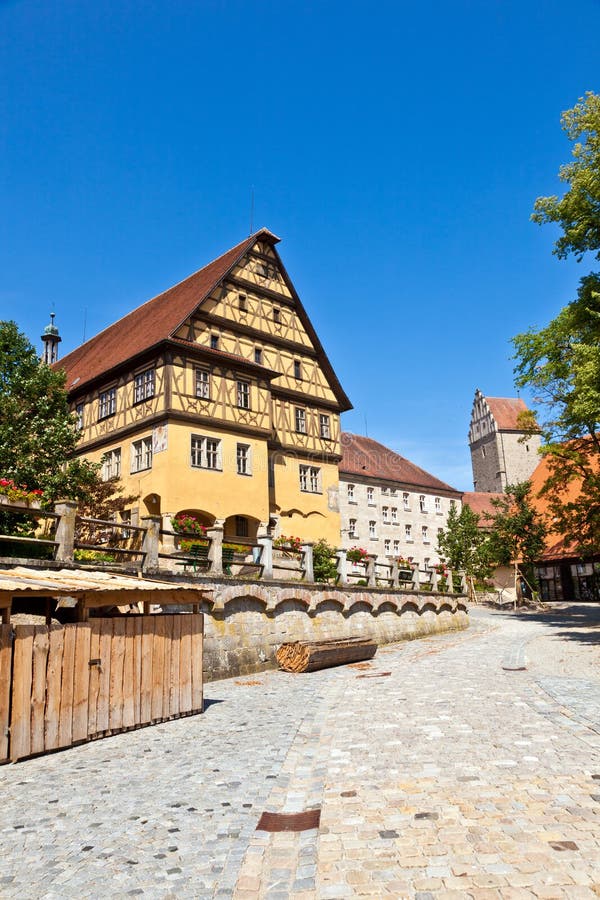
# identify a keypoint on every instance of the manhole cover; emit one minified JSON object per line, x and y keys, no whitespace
{"x":302,"y":821}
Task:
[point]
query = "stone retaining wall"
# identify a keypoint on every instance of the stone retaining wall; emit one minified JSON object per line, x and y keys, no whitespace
{"x":245,"y":622}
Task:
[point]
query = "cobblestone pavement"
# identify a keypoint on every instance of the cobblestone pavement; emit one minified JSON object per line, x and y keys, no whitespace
{"x":454,"y":775}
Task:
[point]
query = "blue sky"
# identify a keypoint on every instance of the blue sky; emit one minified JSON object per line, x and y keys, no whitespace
{"x":396,"y":148}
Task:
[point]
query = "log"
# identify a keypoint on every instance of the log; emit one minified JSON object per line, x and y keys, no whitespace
{"x":308,"y":656}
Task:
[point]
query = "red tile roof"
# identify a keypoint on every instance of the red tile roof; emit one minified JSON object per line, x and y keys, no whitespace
{"x":505,"y":411}
{"x":152,"y":322}
{"x":366,"y":457}
{"x":481,"y":503}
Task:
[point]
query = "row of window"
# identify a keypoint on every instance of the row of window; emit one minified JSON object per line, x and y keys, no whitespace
{"x":144,"y":386}
{"x":423,"y":506}
{"x":408,"y":532}
{"x":205,"y":453}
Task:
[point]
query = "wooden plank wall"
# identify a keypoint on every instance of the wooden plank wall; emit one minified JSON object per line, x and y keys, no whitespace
{"x":74,"y":683}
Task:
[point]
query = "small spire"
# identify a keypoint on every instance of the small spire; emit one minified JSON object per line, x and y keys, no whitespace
{"x":51,"y":339}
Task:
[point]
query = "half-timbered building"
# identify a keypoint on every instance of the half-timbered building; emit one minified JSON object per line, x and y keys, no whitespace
{"x":217,"y":398}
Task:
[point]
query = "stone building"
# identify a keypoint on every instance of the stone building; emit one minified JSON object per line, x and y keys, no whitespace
{"x":216,"y":398}
{"x":389,"y":506}
{"x":499,"y":454}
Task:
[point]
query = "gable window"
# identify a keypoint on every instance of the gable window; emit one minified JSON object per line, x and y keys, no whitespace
{"x":243,"y":459}
{"x":242,"y":302}
{"x":408,"y":532}
{"x":386,"y":515}
{"x":205,"y":452}
{"x":370,"y":496}
{"x":438,"y":505}
{"x":324,"y":427}
{"x":297,"y":369}
{"x":141,"y":455}
{"x":406,"y":501}
{"x":422,"y":503}
{"x":79,"y":416}
{"x":258,"y":358}
{"x":243,"y":395}
{"x":214,"y":342}
{"x":300,"y":420}
{"x":310,"y":479}
{"x":107,"y":403}
{"x":276,"y":314}
{"x":143,"y":386}
{"x":352,"y":528}
{"x":372,"y":529}
{"x":111,"y":464}
{"x":203,"y":384}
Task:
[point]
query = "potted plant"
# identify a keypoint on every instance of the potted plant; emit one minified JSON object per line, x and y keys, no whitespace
{"x":286,"y":542}
{"x":357,"y":555}
{"x":15,"y":495}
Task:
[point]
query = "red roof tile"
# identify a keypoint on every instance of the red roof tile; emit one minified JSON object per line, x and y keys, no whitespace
{"x":505,"y":411}
{"x":481,"y":503}
{"x":152,"y":322}
{"x":364,"y":456}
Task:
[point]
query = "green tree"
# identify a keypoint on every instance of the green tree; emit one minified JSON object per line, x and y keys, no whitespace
{"x":517,"y":535}
{"x":38,"y":434}
{"x":465,"y":547}
{"x":324,"y":561}
{"x":561,"y":362}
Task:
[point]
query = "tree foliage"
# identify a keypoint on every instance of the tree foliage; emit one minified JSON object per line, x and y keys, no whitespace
{"x":464,"y":546}
{"x":37,"y":432}
{"x":517,"y":532}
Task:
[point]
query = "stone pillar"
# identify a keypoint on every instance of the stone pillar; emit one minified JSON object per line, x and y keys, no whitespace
{"x":150,"y":543}
{"x":167,"y":540}
{"x":266,"y":542}
{"x":65,"y":529}
{"x":371,"y":571}
{"x":416,"y":579}
{"x":215,"y":550}
{"x":395,"y":575}
{"x":308,"y":563}
{"x":449,"y":582}
{"x":464,"y":583}
{"x":434,"y":580}
{"x":342,"y":567}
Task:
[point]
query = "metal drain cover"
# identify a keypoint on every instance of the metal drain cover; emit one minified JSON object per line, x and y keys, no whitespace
{"x":302,"y":821}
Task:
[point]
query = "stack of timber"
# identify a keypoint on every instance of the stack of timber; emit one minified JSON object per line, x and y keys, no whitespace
{"x":308,"y":656}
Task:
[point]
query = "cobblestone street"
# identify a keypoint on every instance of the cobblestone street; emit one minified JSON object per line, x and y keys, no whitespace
{"x":465,"y":764}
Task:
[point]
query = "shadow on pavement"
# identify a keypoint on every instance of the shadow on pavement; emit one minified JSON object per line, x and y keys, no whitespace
{"x":570,"y":618}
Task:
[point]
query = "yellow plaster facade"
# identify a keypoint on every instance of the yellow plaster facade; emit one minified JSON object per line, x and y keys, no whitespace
{"x":234,"y":413}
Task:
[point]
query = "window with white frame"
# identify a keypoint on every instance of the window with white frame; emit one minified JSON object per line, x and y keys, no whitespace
{"x":422,"y":503}
{"x":205,"y":452}
{"x":386,"y":546}
{"x":243,"y":459}
{"x":203,"y":384}
{"x":324,"y":426}
{"x":141,"y":454}
{"x":310,"y":479}
{"x":372,"y":529}
{"x":384,"y":491}
{"x":394,"y":514}
{"x":79,"y":416}
{"x":107,"y":403}
{"x":300,"y":420}
{"x":111,"y":464}
{"x":408,"y":532}
{"x":385,"y":513}
{"x":396,"y":547}
{"x":406,"y":501}
{"x":352,"y":528}
{"x":243,"y":394}
{"x":143,"y":386}
{"x":425,"y":534}
{"x":350,"y":492}
{"x":370,"y":496}
{"x":438,"y":505}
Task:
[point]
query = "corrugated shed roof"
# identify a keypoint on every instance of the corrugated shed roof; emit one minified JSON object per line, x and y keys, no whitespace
{"x":505,"y":411}
{"x":366,"y":457}
{"x":76,"y":581}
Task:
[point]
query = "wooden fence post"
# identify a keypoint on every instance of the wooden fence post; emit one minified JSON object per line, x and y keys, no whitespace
{"x":150,"y":543}
{"x":65,"y":529}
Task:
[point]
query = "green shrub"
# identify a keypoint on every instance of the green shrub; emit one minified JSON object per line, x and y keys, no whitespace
{"x":324,"y":561}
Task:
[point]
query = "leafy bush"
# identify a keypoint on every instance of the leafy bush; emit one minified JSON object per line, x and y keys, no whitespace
{"x":324,"y":561}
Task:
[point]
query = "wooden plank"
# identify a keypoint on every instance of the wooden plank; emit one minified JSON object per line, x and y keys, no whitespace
{"x":94,"y":682}
{"x":137,"y":668}
{"x":20,"y":728}
{"x":158,"y":665}
{"x":146,"y":677}
{"x":103,"y":704}
{"x":56,"y":638}
{"x":41,"y":646}
{"x":174,"y":699}
{"x":5,"y":683}
{"x":81,"y":681}
{"x":65,"y":720}
{"x":117,"y":658}
{"x":197,"y":651}
{"x":166,"y":673}
{"x":128,"y":685}
{"x":185,"y":664}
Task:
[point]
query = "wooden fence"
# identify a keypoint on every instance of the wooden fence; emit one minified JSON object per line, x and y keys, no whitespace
{"x":72,"y":683}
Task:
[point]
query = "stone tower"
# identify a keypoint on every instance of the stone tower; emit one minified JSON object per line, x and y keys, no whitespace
{"x":498,"y":456}
{"x":51,"y":339}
